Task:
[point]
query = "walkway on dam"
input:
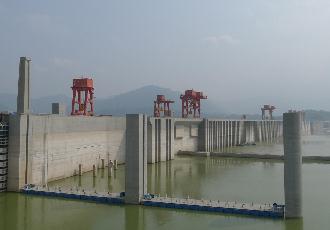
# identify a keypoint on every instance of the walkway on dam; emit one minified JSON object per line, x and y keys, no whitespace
{"x":250,"y":209}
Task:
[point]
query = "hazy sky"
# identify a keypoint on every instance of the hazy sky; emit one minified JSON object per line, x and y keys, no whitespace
{"x":240,"y":53}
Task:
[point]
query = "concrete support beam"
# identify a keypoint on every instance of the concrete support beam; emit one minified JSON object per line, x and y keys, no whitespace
{"x":136,"y":158}
{"x":23,"y":97}
{"x":292,"y":164}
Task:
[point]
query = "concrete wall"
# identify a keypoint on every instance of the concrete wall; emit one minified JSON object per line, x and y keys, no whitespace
{"x":43,"y":148}
{"x":50,"y":147}
{"x":186,"y":133}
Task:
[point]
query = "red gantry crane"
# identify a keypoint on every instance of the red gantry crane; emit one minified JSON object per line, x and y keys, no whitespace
{"x":162,"y":105}
{"x":270,"y":109}
{"x":191,"y":103}
{"x":83,"y":97}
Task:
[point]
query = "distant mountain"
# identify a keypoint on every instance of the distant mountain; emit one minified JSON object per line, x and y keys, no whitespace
{"x":136,"y":101}
{"x":44,"y":104}
{"x":141,"y":101}
{"x":39,"y":105}
{"x":7,"y":102}
{"x":317,"y":115}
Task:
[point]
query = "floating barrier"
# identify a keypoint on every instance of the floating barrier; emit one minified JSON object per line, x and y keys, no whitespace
{"x":111,"y":198}
{"x":257,"y":210}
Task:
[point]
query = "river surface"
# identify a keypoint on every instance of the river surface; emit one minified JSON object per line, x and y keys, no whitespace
{"x":222,"y":179}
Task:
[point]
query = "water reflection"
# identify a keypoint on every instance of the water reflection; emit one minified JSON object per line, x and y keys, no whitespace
{"x":134,"y":218}
{"x":183,"y":177}
{"x":294,"y":224}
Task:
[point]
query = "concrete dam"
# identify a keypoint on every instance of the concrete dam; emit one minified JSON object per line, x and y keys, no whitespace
{"x":43,"y":148}
{"x":40,"y":148}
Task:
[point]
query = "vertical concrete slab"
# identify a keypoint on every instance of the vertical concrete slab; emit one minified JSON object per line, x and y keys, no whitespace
{"x":223,"y":135}
{"x":170,"y":140}
{"x":17,"y":152}
{"x":136,"y":158}
{"x":162,"y":139}
{"x":292,"y":164}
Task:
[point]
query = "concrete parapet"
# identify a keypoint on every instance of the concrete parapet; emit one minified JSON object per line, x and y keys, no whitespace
{"x":292,"y":164}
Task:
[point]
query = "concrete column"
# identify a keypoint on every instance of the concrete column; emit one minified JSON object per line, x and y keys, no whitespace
{"x":217,"y":136}
{"x":222,"y":136}
{"x":206,"y":134}
{"x":151,"y":156}
{"x":162,"y":139}
{"x":23,"y":97}
{"x":136,"y":158}
{"x":292,"y":164}
{"x":171,"y":138}
{"x":102,"y":163}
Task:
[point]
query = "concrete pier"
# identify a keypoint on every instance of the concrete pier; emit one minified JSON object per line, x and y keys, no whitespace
{"x":136,"y":158}
{"x":292,"y":164}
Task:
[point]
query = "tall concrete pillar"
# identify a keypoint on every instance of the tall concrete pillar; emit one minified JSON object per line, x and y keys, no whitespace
{"x":292,"y":164}
{"x":23,"y":97}
{"x":136,"y":158}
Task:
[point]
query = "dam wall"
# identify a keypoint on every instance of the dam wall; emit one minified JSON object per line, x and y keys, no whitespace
{"x":43,"y":148}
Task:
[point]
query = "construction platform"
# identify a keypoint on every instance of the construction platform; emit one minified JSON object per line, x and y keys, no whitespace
{"x":249,"y":209}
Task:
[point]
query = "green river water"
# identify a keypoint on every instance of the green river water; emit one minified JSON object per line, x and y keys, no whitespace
{"x":222,"y":179}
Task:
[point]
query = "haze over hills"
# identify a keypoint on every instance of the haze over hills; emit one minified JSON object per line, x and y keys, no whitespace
{"x":140,"y":101}
{"x":135,"y":101}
